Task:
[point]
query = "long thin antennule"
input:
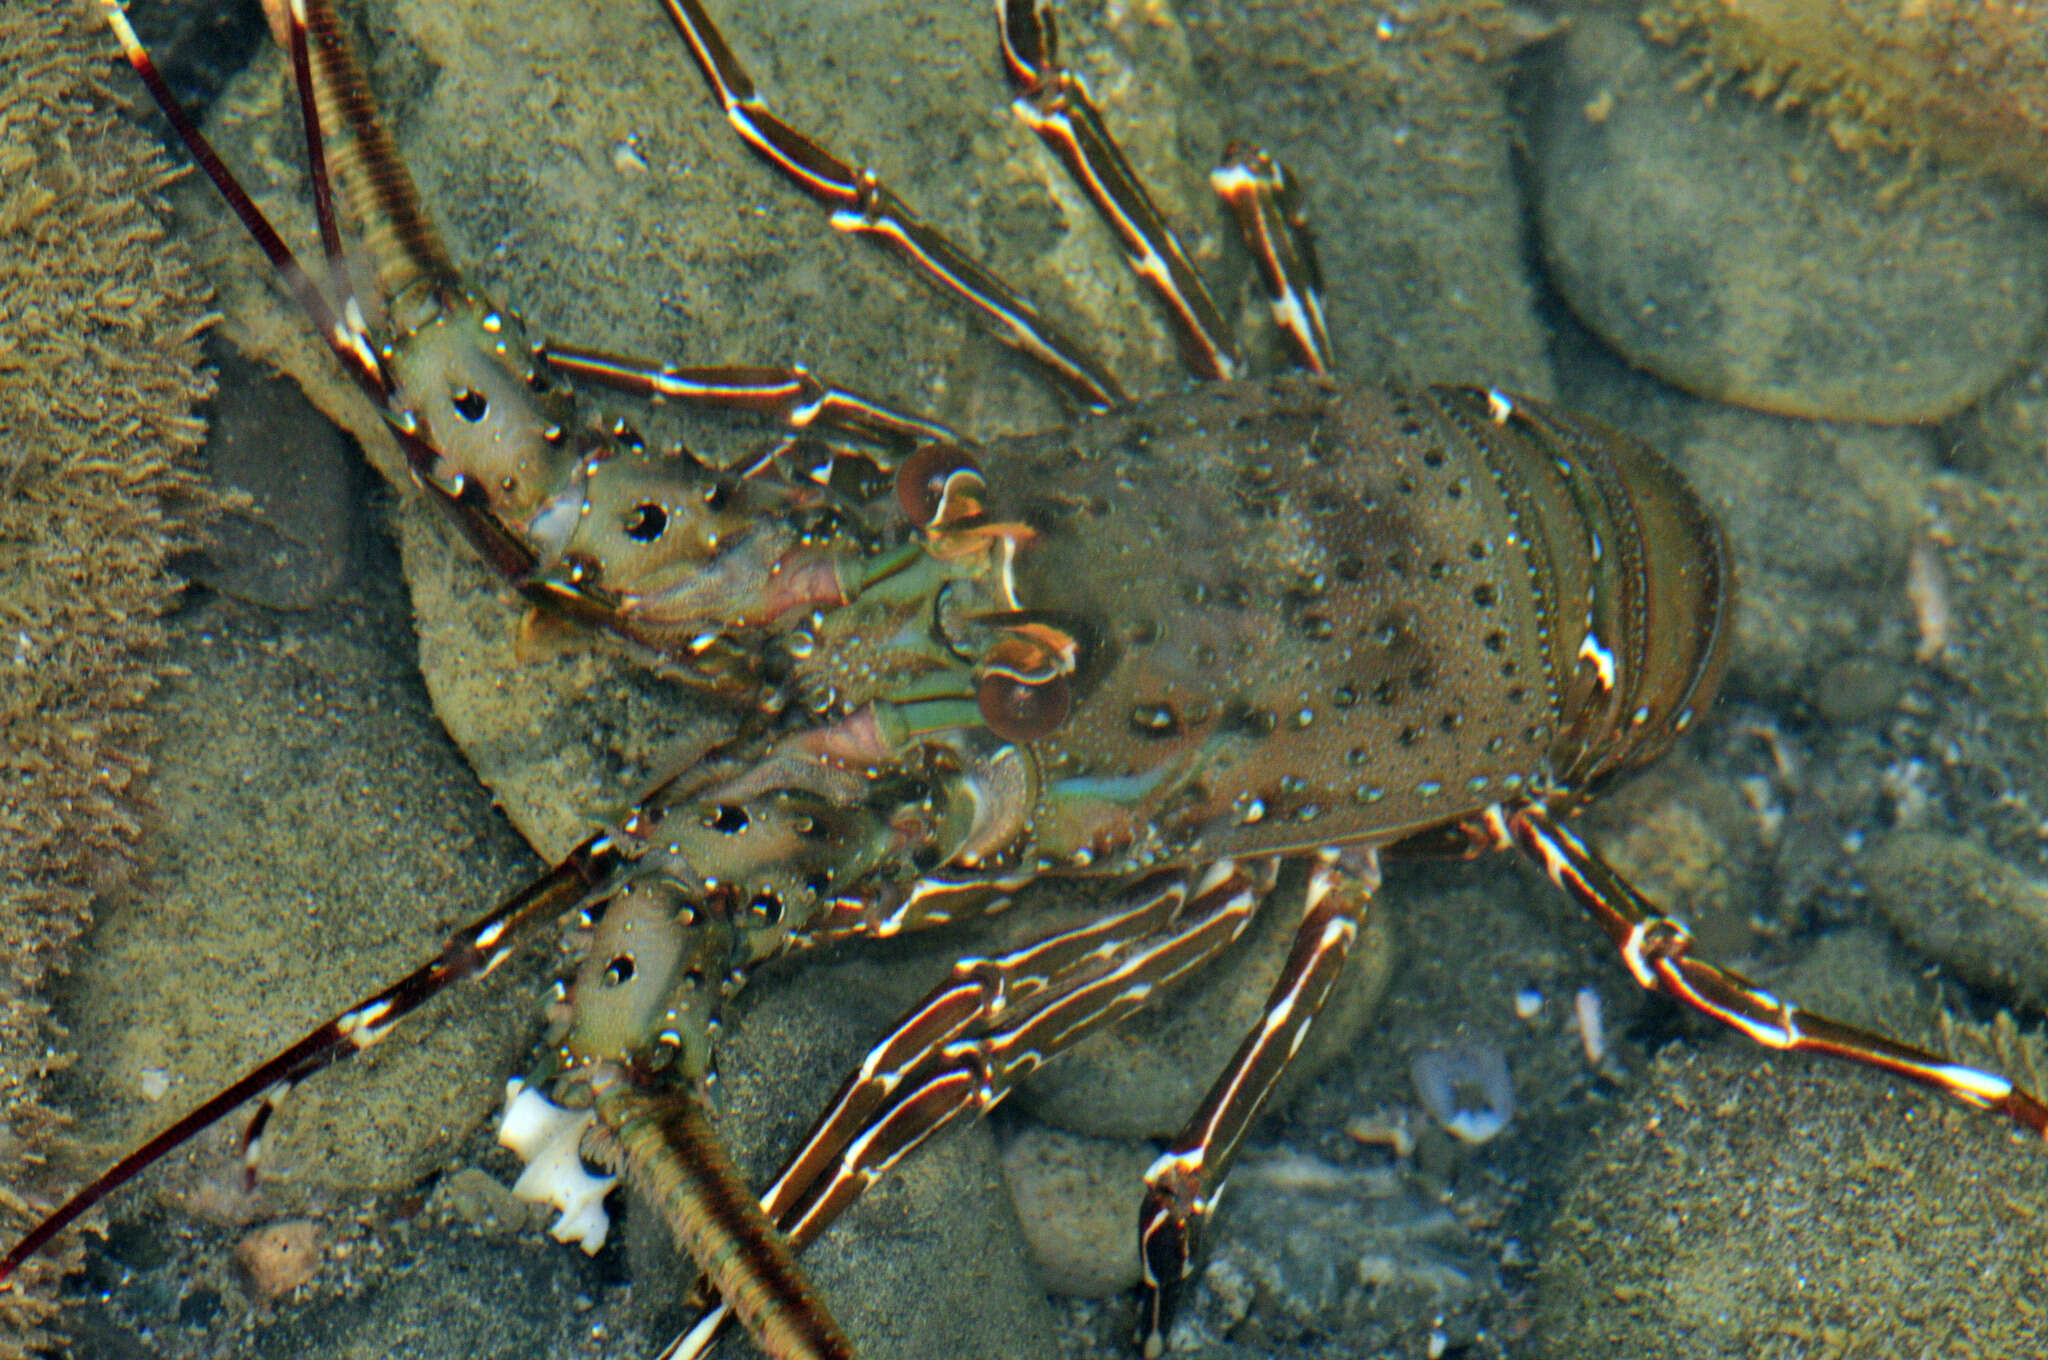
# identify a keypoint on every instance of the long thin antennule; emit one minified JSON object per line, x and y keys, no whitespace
{"x":316,"y":151}
{"x":338,"y":109}
{"x":346,"y":339}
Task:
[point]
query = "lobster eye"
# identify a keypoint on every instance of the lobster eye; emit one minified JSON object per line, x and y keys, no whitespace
{"x":1022,"y":686}
{"x":646,"y":522}
{"x":939,"y":484}
{"x":470,"y":405}
{"x":1017,"y":708}
{"x":1022,"y":705}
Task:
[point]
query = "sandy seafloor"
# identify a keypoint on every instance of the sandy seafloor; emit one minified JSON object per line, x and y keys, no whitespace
{"x":319,"y":830}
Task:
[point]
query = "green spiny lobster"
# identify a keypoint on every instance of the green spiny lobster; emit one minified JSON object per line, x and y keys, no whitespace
{"x":1426,"y":621}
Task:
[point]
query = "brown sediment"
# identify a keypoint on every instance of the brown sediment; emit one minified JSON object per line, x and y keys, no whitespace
{"x":1915,"y":1232}
{"x":99,"y":325}
{"x":1964,"y":79}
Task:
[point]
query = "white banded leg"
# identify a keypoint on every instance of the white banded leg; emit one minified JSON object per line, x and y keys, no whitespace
{"x":1183,"y":1185}
{"x":1054,"y":103}
{"x":1267,"y":205}
{"x":1656,"y":949}
{"x":991,"y":1024}
{"x":862,"y":205}
{"x":788,"y":394}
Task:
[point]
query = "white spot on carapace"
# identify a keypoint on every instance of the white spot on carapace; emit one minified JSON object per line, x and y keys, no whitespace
{"x":1593,"y":650}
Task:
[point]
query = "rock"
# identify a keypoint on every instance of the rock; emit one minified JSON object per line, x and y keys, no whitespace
{"x":1740,"y":1206}
{"x":1322,"y":1250}
{"x":292,"y":543}
{"x":1077,"y":1200}
{"x":1860,"y":689}
{"x":1735,"y":253}
{"x":279,"y":1257}
{"x":479,"y":1200}
{"x":1992,"y":574}
{"x":1971,"y":912}
{"x":1999,"y":441}
{"x":315,"y":839}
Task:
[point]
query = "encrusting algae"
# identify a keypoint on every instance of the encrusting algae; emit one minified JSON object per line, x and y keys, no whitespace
{"x":100,"y":319}
{"x":1964,"y":79}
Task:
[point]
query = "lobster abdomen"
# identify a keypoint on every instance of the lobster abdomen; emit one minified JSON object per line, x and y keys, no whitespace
{"x":1320,"y":611}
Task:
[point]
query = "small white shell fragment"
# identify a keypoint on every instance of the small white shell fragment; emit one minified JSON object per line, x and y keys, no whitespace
{"x":1466,"y":1088}
{"x":1391,"y":1129}
{"x":545,"y":1136}
{"x":626,"y":158}
{"x":1592,"y":1029}
{"x":531,"y":1120}
{"x":1762,"y":796}
{"x":156,"y":1083}
{"x":1528,"y":1004}
{"x":1927,"y":589}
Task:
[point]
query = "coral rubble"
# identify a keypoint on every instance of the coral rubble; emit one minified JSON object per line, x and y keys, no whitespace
{"x":1964,"y":79}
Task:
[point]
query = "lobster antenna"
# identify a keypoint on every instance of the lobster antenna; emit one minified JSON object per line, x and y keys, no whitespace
{"x":471,"y":952}
{"x":347,"y":143}
{"x":397,"y":232}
